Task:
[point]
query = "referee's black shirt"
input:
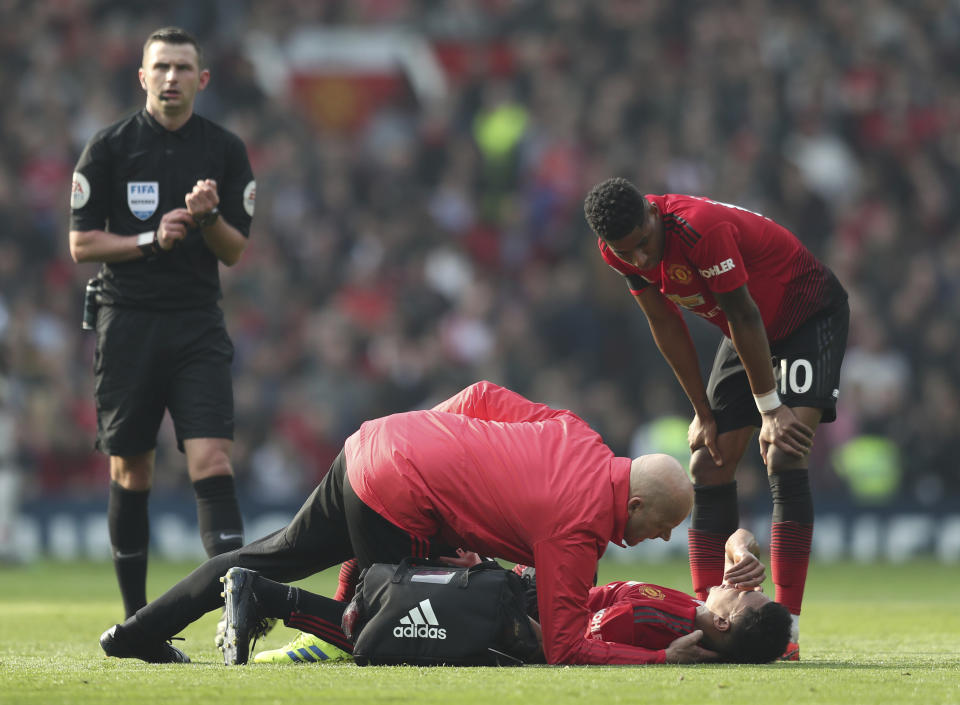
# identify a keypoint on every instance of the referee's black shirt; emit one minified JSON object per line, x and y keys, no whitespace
{"x":133,"y":172}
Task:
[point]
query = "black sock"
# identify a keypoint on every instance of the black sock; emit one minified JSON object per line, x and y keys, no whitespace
{"x":275,"y":599}
{"x":278,"y":600}
{"x":218,"y":514}
{"x":325,"y":608}
{"x":792,"y":500}
{"x":715,"y":509}
{"x":129,"y":525}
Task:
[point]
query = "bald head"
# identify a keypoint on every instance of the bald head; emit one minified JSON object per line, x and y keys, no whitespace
{"x":661,"y":496}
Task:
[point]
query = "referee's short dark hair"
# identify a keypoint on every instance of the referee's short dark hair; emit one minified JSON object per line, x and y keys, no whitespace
{"x":174,"y":35}
{"x":614,"y":208}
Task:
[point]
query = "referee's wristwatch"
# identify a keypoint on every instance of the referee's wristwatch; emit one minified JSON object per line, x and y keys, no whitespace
{"x":208,"y":218}
{"x":148,"y":245}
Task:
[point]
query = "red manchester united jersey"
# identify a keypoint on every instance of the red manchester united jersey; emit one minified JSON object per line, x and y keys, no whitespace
{"x":712,"y":247}
{"x":640,"y":614}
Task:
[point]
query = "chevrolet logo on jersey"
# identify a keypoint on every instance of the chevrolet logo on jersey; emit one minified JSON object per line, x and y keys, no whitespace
{"x":143,"y":197}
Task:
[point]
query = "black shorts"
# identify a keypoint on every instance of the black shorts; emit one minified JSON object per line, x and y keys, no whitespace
{"x":806,"y":364}
{"x":149,"y":361}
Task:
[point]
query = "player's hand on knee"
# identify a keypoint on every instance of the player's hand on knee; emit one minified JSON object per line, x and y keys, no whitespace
{"x":702,"y":433}
{"x":782,"y":429}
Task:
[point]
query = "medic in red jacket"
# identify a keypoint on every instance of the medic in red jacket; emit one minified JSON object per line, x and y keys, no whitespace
{"x":495,"y":473}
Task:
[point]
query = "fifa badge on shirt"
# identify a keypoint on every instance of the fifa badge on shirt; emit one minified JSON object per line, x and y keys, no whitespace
{"x":143,"y":197}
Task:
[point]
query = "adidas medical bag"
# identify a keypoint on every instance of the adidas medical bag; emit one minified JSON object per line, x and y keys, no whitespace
{"x":425,"y":613}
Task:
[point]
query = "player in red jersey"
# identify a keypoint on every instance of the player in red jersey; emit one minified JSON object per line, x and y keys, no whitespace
{"x":784,"y":317}
{"x":736,"y":624}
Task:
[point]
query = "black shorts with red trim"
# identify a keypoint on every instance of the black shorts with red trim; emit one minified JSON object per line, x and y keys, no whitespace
{"x":806,"y":364}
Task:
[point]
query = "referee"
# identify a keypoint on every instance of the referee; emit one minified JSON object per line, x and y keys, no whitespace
{"x":160,"y":198}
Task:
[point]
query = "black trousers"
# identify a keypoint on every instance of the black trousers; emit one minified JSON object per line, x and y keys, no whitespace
{"x":332,"y":526}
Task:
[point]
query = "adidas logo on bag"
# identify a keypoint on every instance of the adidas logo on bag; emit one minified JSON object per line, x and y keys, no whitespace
{"x":421,"y":622}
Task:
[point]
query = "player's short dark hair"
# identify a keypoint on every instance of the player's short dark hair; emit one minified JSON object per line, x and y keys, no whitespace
{"x":614,"y":208}
{"x":174,"y":35}
{"x":759,"y":635}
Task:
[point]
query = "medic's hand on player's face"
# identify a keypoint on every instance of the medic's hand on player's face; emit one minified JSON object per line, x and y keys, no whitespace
{"x":173,"y":227}
{"x":686,"y":649}
{"x":703,"y":433}
{"x":748,"y":573}
{"x":784,"y":430}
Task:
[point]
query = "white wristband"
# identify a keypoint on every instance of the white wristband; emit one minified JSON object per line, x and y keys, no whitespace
{"x":768,"y":402}
{"x":145,"y":238}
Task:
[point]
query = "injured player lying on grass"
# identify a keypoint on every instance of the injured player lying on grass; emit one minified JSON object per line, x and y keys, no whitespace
{"x":736,"y":624}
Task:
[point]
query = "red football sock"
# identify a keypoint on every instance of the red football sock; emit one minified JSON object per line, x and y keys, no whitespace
{"x":320,"y":627}
{"x":789,"y":558}
{"x":706,"y":560}
{"x":349,"y":574}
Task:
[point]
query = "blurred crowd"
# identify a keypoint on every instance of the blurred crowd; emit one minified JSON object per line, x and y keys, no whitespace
{"x":437,"y":239}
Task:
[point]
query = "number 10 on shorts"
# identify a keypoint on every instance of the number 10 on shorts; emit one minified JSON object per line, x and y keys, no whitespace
{"x":796,"y":376}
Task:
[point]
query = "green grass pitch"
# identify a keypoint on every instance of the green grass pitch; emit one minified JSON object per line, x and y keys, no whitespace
{"x":871,"y":634}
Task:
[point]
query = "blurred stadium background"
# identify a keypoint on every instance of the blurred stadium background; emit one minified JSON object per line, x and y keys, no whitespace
{"x":421,"y":167}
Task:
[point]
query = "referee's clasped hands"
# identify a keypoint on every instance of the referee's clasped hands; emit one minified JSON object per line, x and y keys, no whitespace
{"x":203,"y":198}
{"x":173,"y":227}
{"x":174,"y":224}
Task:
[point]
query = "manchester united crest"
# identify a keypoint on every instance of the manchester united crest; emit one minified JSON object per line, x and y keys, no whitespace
{"x":652,"y":593}
{"x":679,"y":273}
